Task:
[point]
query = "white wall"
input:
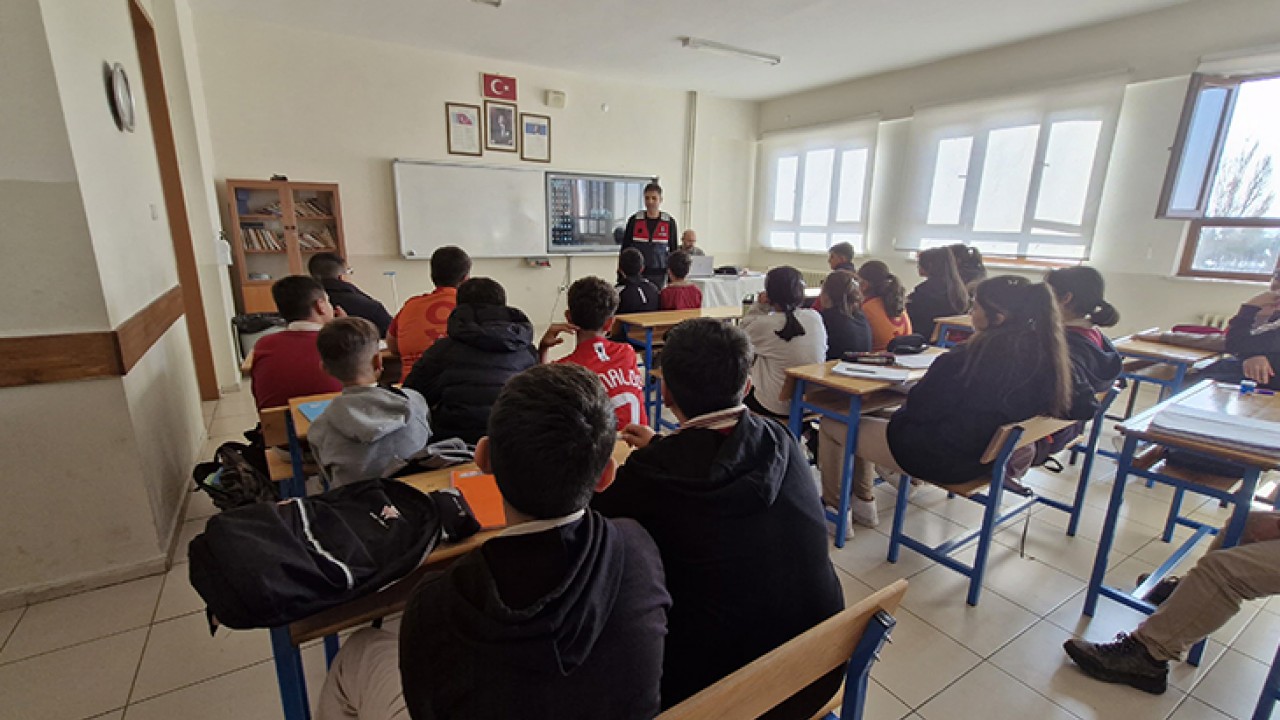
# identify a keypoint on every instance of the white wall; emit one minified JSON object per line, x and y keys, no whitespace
{"x":322,"y":107}
{"x":1136,"y":252}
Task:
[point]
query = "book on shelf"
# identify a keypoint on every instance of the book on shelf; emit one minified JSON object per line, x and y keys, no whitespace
{"x":259,"y":238}
{"x":309,"y":208}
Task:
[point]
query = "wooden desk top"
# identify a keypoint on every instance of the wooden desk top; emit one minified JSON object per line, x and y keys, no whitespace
{"x":301,"y":425}
{"x":1161,"y":351}
{"x":821,"y":374}
{"x":960,"y":320}
{"x":669,"y":318}
{"x":1211,"y":396}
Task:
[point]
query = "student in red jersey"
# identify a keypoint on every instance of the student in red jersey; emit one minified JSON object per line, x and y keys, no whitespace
{"x":592,"y":303}
{"x":653,"y":233}
{"x":425,"y":318}
{"x":286,"y":364}
{"x":680,"y":294}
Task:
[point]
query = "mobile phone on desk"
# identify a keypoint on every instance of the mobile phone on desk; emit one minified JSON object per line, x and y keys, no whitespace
{"x":870,"y":358}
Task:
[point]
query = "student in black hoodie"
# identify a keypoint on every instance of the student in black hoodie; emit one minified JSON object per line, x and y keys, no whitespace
{"x":329,"y":268}
{"x":561,"y":616}
{"x":941,"y":294}
{"x":462,"y":373}
{"x":730,"y":503}
{"x":635,"y":292}
{"x":1014,"y":367}
{"x":1094,"y":360}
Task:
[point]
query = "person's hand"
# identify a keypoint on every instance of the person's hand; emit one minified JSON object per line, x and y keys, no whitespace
{"x":338,"y":311}
{"x":637,"y":436}
{"x":1258,"y":369}
{"x":551,"y":337}
{"x":762,"y":298}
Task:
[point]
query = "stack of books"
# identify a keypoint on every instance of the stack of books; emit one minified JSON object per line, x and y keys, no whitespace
{"x":259,"y":238}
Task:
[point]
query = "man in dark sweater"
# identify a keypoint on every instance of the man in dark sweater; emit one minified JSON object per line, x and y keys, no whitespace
{"x":462,"y":373}
{"x":562,"y":616}
{"x":329,"y":268}
{"x":731,"y":504}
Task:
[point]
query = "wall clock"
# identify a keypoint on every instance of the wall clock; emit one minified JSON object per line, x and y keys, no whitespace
{"x":120,"y":96}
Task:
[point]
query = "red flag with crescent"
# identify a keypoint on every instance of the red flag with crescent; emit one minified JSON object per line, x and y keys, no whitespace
{"x":498,"y":87}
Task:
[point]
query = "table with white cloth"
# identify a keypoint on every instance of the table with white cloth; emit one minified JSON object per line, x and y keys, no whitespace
{"x":727,"y":290}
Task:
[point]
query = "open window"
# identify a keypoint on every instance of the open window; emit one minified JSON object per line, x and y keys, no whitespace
{"x":1223,"y":177}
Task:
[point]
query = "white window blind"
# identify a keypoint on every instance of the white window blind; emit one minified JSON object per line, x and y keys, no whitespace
{"x":1018,"y":176}
{"x":815,"y":187}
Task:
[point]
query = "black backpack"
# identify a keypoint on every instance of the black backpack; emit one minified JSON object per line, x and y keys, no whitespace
{"x":269,"y":564}
{"x":233,"y":479}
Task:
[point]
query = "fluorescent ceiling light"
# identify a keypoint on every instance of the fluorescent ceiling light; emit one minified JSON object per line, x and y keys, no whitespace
{"x":712,"y":46}
{"x":493,"y":3}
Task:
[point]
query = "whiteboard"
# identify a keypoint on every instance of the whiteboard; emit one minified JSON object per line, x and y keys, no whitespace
{"x":491,"y":212}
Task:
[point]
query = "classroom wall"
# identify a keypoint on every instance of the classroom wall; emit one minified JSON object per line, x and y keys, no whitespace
{"x":1158,"y":50}
{"x":95,"y":470}
{"x":315,"y":106}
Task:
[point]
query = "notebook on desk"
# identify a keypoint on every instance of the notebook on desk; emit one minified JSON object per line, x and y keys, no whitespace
{"x":871,"y":372}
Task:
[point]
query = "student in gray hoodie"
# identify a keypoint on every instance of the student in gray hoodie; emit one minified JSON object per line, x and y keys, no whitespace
{"x":367,"y":429}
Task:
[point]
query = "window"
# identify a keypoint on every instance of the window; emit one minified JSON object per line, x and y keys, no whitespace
{"x":816,"y":188}
{"x":1223,"y":177}
{"x":1016,"y":177}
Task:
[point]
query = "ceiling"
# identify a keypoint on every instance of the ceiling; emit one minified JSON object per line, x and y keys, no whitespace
{"x":821,"y":41}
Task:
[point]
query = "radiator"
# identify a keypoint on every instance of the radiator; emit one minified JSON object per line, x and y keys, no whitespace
{"x":814,"y":278}
{"x":1216,"y":320}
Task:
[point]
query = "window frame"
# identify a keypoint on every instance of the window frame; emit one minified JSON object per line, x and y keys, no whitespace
{"x":1199,"y":219}
{"x":1094,"y":102}
{"x":860,"y":135}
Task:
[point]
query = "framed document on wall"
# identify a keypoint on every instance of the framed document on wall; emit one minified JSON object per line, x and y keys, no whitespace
{"x":499,"y":126}
{"x":463,"y":124}
{"x":535,"y":137}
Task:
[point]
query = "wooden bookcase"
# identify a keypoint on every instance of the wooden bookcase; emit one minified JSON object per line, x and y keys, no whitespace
{"x":276,"y":226}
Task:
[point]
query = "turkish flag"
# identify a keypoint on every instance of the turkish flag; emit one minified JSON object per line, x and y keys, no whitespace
{"x":498,"y":87}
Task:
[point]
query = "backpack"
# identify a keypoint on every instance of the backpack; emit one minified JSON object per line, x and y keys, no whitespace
{"x":1042,"y":451}
{"x":269,"y":564}
{"x":232,"y":479}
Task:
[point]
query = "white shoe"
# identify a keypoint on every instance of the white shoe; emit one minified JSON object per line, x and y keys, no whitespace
{"x":831,"y":525}
{"x":864,"y":512}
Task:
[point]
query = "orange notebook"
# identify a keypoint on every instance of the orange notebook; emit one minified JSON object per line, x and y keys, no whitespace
{"x":481,"y":493}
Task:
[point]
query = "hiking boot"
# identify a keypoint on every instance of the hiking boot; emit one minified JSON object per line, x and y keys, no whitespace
{"x":1163,"y":589}
{"x":1125,"y":661}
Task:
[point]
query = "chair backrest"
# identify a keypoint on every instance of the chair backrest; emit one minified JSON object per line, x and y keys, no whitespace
{"x":1032,"y":430}
{"x":774,"y":677}
{"x":275,"y":426}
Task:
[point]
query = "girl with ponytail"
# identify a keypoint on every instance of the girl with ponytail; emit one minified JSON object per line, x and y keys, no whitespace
{"x":1013,"y":368}
{"x":783,"y":335}
{"x":941,"y":294}
{"x":884,"y":304}
{"x":1079,"y":291}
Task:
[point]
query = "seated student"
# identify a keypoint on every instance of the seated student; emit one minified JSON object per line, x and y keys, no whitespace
{"x":1079,"y":291}
{"x":941,"y":294}
{"x":561,"y":616}
{"x":592,"y":303}
{"x":784,"y":335}
{"x":969,"y":264}
{"x":1196,"y":606}
{"x":689,"y":243}
{"x":839,"y":257}
{"x":679,"y":293}
{"x":1014,"y":367}
{"x":424,"y":318}
{"x":286,"y":364}
{"x":329,"y":268}
{"x":461,"y":374}
{"x":367,"y":429}
{"x":884,"y":304}
{"x":729,"y":500}
{"x":1253,"y":339}
{"x":636,"y":294}
{"x":847,"y":328}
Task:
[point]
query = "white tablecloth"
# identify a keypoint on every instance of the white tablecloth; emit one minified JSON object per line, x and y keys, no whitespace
{"x":727,"y":290}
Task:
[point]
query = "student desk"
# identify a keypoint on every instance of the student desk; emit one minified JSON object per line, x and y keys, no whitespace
{"x":285,"y":640}
{"x":842,"y":398}
{"x":650,"y":322}
{"x":1207,"y":395}
{"x":944,"y":327}
{"x":1144,"y":353}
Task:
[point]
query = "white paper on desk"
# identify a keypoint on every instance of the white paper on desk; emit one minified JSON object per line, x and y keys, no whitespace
{"x":916,"y":362}
{"x":871,"y":372}
{"x":1252,"y":432}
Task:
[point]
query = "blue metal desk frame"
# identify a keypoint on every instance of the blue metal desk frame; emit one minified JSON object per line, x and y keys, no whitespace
{"x":798,"y":407}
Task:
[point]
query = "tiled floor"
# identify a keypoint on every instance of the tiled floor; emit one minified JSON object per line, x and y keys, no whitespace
{"x":141,"y":650}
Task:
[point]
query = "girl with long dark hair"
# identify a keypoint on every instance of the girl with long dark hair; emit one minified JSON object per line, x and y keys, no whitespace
{"x":784,"y":335}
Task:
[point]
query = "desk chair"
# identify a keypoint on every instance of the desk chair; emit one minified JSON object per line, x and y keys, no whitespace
{"x":986,"y":491}
{"x":277,"y":431}
{"x":852,"y":638}
{"x":1086,"y":445}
